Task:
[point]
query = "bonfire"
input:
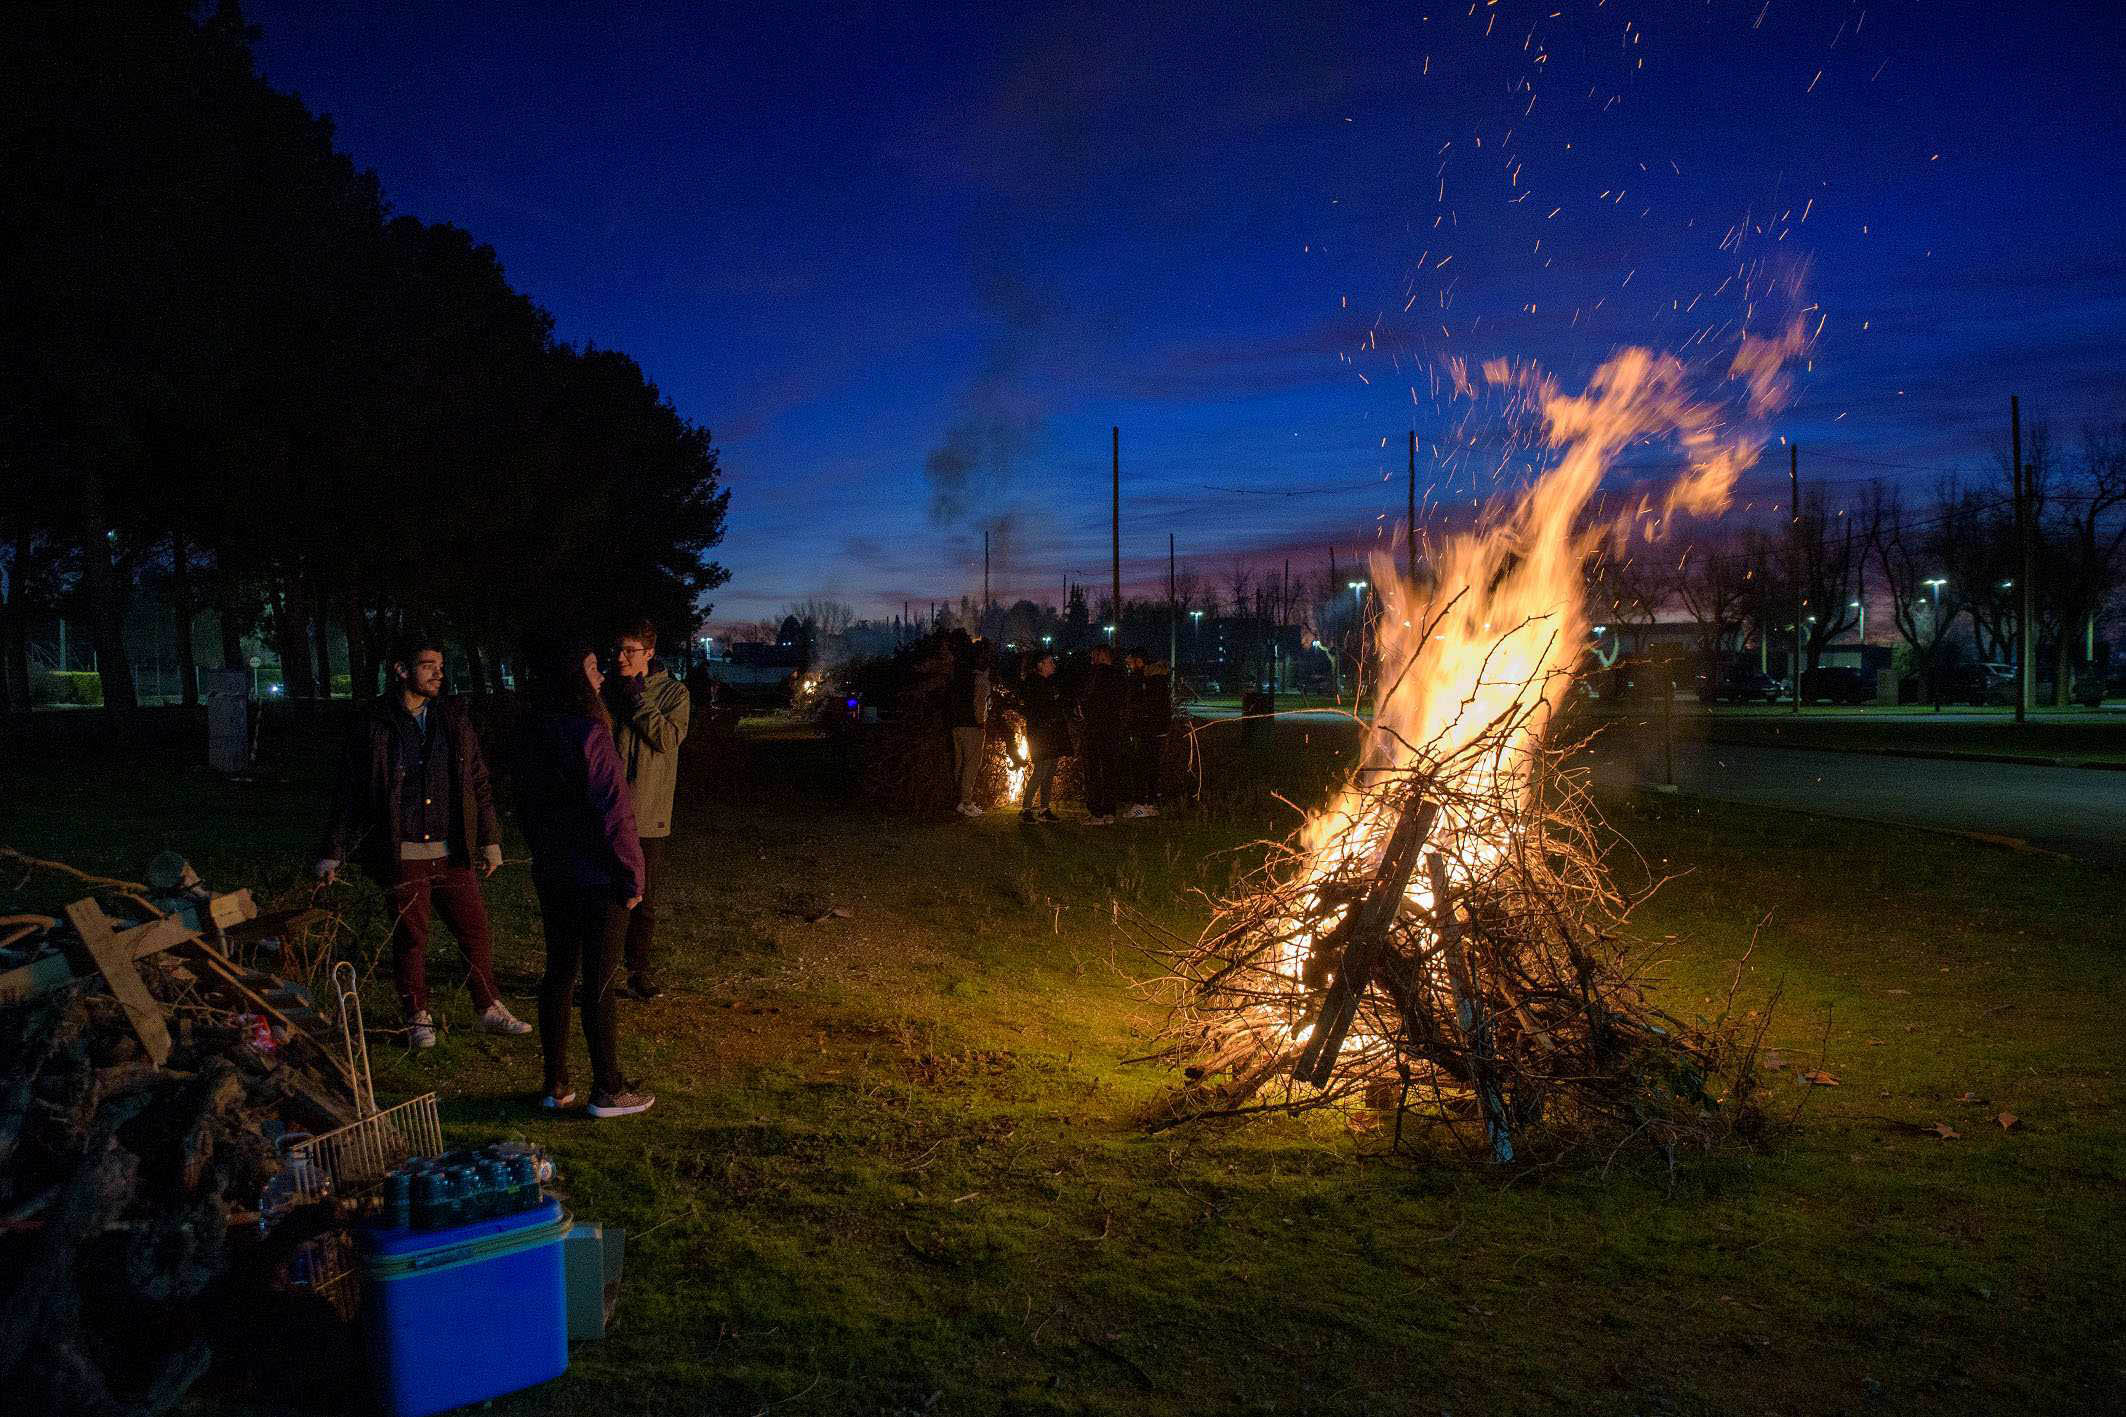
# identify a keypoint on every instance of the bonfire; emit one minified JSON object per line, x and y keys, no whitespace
{"x":1443,"y":939}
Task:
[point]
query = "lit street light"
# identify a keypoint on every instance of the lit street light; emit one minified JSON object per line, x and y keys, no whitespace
{"x":1863,"y":609}
{"x":1358,"y":593}
{"x":1935,"y":584}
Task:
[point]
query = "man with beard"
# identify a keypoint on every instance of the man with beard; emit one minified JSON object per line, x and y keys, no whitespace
{"x":413,"y":808}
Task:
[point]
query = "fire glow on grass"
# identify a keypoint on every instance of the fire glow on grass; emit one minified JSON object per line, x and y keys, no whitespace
{"x":1485,"y":979}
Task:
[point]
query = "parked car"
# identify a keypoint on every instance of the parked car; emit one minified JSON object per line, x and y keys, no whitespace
{"x":1836,"y":685}
{"x":1738,"y":686}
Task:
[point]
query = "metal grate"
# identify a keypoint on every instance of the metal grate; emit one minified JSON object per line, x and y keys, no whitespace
{"x":357,"y":1156}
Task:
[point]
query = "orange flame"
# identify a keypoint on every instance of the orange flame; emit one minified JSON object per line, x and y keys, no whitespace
{"x":1495,"y":638}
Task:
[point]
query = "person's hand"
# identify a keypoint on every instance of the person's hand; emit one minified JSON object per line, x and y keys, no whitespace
{"x":493,"y":852}
{"x":633,"y":901}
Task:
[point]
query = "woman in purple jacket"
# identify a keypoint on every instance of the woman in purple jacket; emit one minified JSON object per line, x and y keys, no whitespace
{"x":586,"y":865}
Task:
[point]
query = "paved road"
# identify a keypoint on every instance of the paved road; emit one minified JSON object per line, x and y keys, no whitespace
{"x":2076,"y":811}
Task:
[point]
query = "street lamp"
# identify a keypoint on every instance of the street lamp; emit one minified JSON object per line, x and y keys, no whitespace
{"x":1358,"y":593}
{"x":1861,"y":606}
{"x":1110,"y":629}
{"x":1046,"y":640}
{"x":1935,"y":584}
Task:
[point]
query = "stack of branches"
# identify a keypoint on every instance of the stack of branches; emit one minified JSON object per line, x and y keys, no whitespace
{"x":131,"y":1248}
{"x":1447,"y":944}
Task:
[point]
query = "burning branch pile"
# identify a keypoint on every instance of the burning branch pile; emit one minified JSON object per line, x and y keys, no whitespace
{"x":1451,"y":947}
{"x":1443,"y":939}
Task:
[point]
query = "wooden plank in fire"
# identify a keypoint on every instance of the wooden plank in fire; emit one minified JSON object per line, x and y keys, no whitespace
{"x":1362,"y":935}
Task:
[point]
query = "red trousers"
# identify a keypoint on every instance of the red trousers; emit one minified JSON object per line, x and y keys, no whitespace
{"x":454,"y":891}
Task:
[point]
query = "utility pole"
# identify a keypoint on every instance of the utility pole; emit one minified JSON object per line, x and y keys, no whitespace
{"x":1410,"y":526}
{"x":1284,"y":618}
{"x":1793,"y":474}
{"x":2026,"y":597}
{"x":1173,"y":622}
{"x":1116,"y":564}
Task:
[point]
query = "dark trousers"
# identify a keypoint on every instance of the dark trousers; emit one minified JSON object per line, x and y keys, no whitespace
{"x":585,"y":931}
{"x":1103,"y":774}
{"x":1147,"y":753}
{"x":1040,"y":782}
{"x":642,"y":921}
{"x":454,"y":891}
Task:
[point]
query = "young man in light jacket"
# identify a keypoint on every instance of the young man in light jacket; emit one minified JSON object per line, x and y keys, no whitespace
{"x":650,"y":714}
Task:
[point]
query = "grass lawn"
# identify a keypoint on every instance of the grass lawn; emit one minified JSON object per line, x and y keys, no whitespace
{"x":893,"y":1167}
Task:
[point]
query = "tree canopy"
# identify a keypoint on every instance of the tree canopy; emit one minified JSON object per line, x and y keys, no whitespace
{"x":226,"y":363}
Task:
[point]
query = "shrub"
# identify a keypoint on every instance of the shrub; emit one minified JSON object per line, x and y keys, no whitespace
{"x":69,"y":688}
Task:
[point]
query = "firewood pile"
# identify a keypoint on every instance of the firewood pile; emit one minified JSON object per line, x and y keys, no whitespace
{"x":1446,"y":946}
{"x":148,"y":1085}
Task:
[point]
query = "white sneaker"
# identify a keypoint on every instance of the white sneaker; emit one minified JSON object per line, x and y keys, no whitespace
{"x":620,"y":1104}
{"x":421,"y":1033}
{"x":496,"y":1018}
{"x":1137,"y":809}
{"x":968,"y":809}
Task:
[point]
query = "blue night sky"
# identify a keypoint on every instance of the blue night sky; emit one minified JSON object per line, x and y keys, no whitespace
{"x":909,"y":263}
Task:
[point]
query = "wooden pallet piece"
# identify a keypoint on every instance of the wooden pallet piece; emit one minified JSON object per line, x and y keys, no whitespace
{"x":140,"y":941}
{"x":116,"y":963}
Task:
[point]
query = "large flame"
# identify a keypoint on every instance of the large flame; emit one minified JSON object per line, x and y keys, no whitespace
{"x":1495,"y":636}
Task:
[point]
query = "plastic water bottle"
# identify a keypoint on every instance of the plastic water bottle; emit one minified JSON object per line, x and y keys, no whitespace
{"x":495,"y":1176}
{"x":436,"y":1208}
{"x":398,"y":1198}
{"x":524,"y":1175}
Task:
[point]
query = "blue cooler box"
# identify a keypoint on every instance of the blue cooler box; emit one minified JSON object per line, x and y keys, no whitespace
{"x":468,"y":1313}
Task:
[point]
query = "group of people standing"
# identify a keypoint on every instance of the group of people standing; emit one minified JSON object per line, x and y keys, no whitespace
{"x":595,"y":763}
{"x":1114,"y":721}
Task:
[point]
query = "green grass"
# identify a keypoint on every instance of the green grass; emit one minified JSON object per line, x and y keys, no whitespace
{"x":893,"y":1166}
